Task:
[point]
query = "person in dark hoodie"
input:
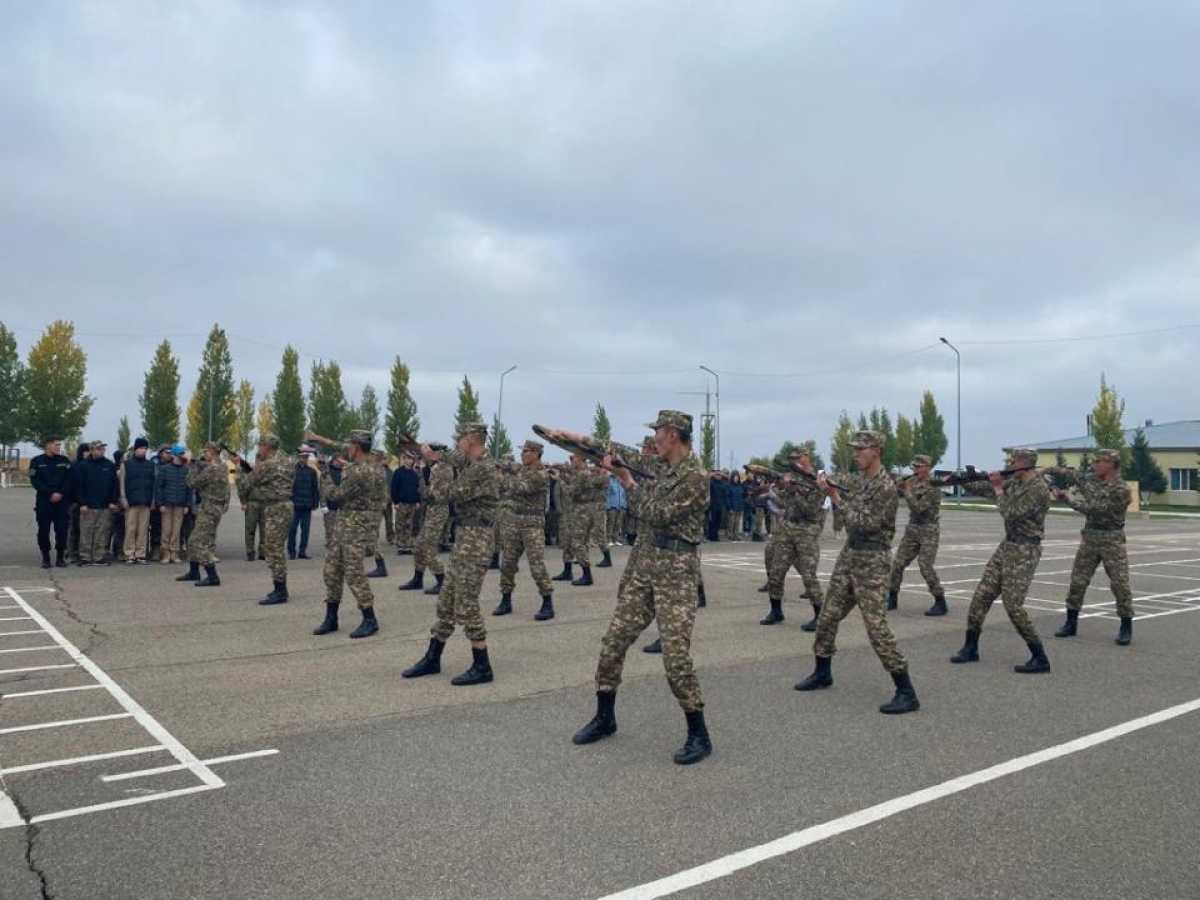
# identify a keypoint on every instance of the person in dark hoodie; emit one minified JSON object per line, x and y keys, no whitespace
{"x":306,"y":496}
{"x":137,"y":499}
{"x":50,"y":476}
{"x":97,"y":493}
{"x":82,"y":453}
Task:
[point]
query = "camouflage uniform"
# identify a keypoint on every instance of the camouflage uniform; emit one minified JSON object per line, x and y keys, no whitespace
{"x":211,"y":482}
{"x":404,"y":515}
{"x":270,"y":484}
{"x":661,"y":578}
{"x":436,"y":497}
{"x":356,"y":497}
{"x":329,"y":519}
{"x":1009,"y":572}
{"x":524,"y":528}
{"x":1103,"y":537}
{"x":566,"y":518}
{"x":797,"y":538}
{"x":380,"y":500}
{"x":861,"y":571}
{"x":589,"y":492}
{"x":474,"y":493}
{"x":921,"y":536}
{"x":253,"y":511}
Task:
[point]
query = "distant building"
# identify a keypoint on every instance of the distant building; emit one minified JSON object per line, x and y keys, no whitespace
{"x":1175,"y":446}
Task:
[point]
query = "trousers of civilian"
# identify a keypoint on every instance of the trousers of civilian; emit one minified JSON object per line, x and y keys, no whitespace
{"x":301,"y":521}
{"x":137,"y":531}
{"x":172,"y":523}
{"x":58,"y":516}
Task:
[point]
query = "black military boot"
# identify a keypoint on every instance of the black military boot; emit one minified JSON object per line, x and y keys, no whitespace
{"x":970,"y":648}
{"x":210,"y":579}
{"x":380,"y":570}
{"x":1037,"y":662}
{"x":1070,"y":627}
{"x":45,"y":559}
{"x":480,"y":671}
{"x":564,"y":575}
{"x":436,"y":588}
{"x":905,"y":700}
{"x":775,"y":616}
{"x":697,"y":746}
{"x":416,"y":583}
{"x":1125,"y":635}
{"x":893,"y":599}
{"x":605,"y":563}
{"x":655,"y":647}
{"x":701,"y":597}
{"x":368,"y":626}
{"x":547,"y":610}
{"x":330,"y":625}
{"x":939,"y":606}
{"x":811,"y":624}
{"x":60,"y":560}
{"x":249,"y":556}
{"x":603,"y":724}
{"x":766,"y":587}
{"x":279,"y":595}
{"x":429,"y":664}
{"x":822,"y":676}
{"x":504,"y":607}
{"x":192,"y":574}
{"x":495,"y":563}
{"x":586,"y":578}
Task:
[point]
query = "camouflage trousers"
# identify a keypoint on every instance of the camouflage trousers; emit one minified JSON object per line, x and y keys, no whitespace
{"x":1007,"y":575}
{"x":523,"y":534}
{"x":95,"y":528}
{"x":920,"y":542}
{"x":587,"y":532}
{"x":329,"y":521}
{"x":799,"y":545}
{"x":344,"y":564}
{"x":458,"y":603}
{"x":389,"y":527}
{"x":858,"y":580}
{"x":203,"y":540}
{"x":1106,"y":547}
{"x":254,"y":523}
{"x":405,"y":515}
{"x":371,"y":544}
{"x":839,"y":521}
{"x":657,"y":584}
{"x":277,"y":518}
{"x":425,"y":553}
{"x":566,"y":535}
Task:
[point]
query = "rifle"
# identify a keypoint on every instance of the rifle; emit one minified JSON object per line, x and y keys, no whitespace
{"x":773,"y":475}
{"x":588,"y":447}
{"x":971,"y":475}
{"x":412,"y":445}
{"x":242,"y":464}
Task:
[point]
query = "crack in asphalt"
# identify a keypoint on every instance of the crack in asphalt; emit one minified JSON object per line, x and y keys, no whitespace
{"x":31,"y":835}
{"x":96,"y":636}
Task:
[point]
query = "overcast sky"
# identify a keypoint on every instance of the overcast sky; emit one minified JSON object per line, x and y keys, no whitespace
{"x":802,"y":196}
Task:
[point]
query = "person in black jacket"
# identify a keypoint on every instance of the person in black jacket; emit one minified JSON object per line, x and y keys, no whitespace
{"x":97,"y":493}
{"x":406,"y":500}
{"x":82,"y":453}
{"x":137,"y":499}
{"x":116,"y":537}
{"x":306,"y":496}
{"x":50,"y":477}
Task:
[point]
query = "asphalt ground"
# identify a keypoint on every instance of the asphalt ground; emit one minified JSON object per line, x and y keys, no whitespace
{"x":375,"y":787}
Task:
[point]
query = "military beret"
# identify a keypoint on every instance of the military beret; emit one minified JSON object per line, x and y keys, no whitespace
{"x":672,"y":418}
{"x":864,"y":439}
{"x":267,"y":439}
{"x":536,"y":446}
{"x":1112,"y":456}
{"x":479,"y":428}
{"x":922,"y":460}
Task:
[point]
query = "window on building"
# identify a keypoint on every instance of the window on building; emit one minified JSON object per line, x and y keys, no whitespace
{"x":1185,"y":479}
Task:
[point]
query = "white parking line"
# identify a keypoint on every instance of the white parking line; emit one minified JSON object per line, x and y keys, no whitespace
{"x":66,"y":690}
{"x":76,"y":760}
{"x":63,"y":723}
{"x":36,"y":669}
{"x":15,"y":633}
{"x":10,"y":816}
{"x":159,"y":770}
{"x":734,"y":862}
{"x":30,"y":649}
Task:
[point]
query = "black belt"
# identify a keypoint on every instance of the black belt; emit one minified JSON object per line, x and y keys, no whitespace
{"x":868,"y":544}
{"x":1028,"y":540}
{"x":476,"y":523}
{"x":662,"y":542}
{"x":801,"y":520}
{"x":1114,"y":528}
{"x":921,"y":520}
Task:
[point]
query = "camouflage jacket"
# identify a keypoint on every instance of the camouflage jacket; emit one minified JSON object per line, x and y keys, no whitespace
{"x":211,"y":482}
{"x":355,"y":497}
{"x":437,"y":491}
{"x":802,"y":502}
{"x":924,"y":501}
{"x":675,"y":503}
{"x":869,"y":508}
{"x":1103,"y":502}
{"x":475,"y":490}
{"x":270,"y":481}
{"x":526,"y":490}
{"x":589,"y":486}
{"x":1023,"y":505}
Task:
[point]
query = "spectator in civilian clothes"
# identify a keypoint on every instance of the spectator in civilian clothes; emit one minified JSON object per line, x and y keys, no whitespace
{"x":82,"y":453}
{"x":716,"y":505}
{"x":615,"y":505}
{"x":306,"y":496}
{"x":405,"y":491}
{"x":97,"y":493}
{"x":137,"y":499}
{"x":736,"y":497}
{"x":116,"y":537}
{"x":173,"y":498}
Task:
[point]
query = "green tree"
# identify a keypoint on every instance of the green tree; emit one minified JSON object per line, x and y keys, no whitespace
{"x":367,"y":411}
{"x":781,"y":461}
{"x":401,"y":415}
{"x":468,"y":405}
{"x":499,"y":445}
{"x":708,"y":444}
{"x":12,"y":392}
{"x":123,"y":434}
{"x":159,"y":400}
{"x":212,"y":412}
{"x":929,"y":435}
{"x":1144,"y":469}
{"x":881,"y":422}
{"x":243,"y":435}
{"x":601,"y":427}
{"x":904,"y":441}
{"x":287,"y":403}
{"x":54,"y":402}
{"x":1107,"y":430}
{"x":840,"y":451}
{"x":264,"y":418}
{"x":327,"y":407}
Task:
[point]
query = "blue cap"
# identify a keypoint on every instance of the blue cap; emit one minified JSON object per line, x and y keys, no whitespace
{"x":178,"y":450}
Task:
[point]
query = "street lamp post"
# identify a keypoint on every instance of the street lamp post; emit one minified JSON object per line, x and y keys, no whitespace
{"x":958,"y":403}
{"x":718,"y":377}
{"x":500,"y":407}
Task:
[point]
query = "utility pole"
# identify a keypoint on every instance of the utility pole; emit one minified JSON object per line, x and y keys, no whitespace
{"x":718,"y":377}
{"x":500,"y":409}
{"x":707,"y":417}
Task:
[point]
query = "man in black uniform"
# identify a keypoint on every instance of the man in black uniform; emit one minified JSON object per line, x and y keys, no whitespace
{"x":50,"y":476}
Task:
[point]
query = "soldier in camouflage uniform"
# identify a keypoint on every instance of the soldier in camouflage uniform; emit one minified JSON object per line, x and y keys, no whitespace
{"x":524,"y":531}
{"x":921,"y":535}
{"x":209,"y":478}
{"x":1103,"y":499}
{"x":270,"y":484}
{"x":660,"y":582}
{"x":1022,"y":499}
{"x":505,"y":468}
{"x":356,"y":495}
{"x":564,"y":476}
{"x":589,"y":492}
{"x":382,"y":501}
{"x":797,"y":539}
{"x":329,"y":520}
{"x":253,"y":513}
{"x":474,"y":493}
{"x":861,"y":572}
{"x":435,"y":498}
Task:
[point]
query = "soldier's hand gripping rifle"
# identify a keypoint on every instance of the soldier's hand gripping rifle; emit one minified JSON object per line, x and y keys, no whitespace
{"x":410,"y":444}
{"x":971,"y":475}
{"x":588,"y":447}
{"x":242,"y":464}
{"x":774,"y":475}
